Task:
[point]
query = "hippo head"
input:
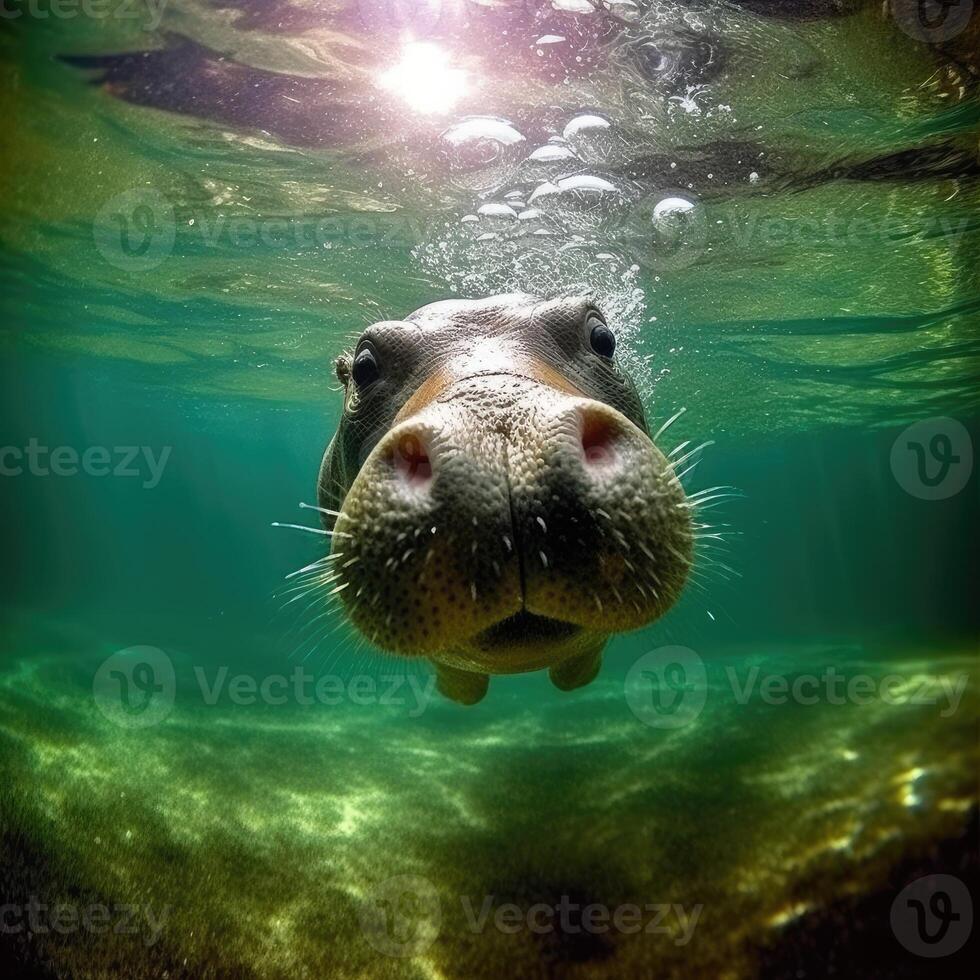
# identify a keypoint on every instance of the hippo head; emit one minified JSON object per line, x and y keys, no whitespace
{"x":499,"y":504}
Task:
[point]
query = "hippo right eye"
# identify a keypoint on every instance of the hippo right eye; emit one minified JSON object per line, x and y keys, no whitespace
{"x":602,"y":339}
{"x":365,"y":369}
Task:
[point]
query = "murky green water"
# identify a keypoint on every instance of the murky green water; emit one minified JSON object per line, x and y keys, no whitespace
{"x":779,"y":214}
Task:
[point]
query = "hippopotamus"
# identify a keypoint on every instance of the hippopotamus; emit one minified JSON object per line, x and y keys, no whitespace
{"x":496,"y":501}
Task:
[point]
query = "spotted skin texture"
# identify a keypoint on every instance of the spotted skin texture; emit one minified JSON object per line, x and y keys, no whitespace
{"x":502,"y":507}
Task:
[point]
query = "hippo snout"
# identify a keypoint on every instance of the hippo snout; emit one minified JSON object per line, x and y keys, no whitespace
{"x":509,"y":520}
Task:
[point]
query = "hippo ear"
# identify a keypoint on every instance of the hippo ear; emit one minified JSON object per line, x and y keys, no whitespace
{"x":342,"y":367}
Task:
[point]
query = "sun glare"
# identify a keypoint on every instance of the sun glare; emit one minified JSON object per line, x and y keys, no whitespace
{"x":424,"y":79}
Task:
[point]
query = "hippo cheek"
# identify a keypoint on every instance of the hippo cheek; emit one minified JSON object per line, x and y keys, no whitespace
{"x":607,"y":529}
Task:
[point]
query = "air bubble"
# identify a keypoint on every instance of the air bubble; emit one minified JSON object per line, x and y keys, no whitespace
{"x":591,"y":136}
{"x":483,"y":152}
{"x":551,"y":153}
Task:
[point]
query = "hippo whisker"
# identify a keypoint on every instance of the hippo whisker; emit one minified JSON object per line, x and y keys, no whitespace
{"x":308,"y":585}
{"x":314,"y":566}
{"x":714,"y":542}
{"x":322,"y":510}
{"x":680,"y":476}
{"x":302,"y":631}
{"x":668,"y":423}
{"x":313,"y":530}
{"x":704,"y":445}
{"x":307,"y":590}
{"x":706,"y":503}
{"x":707,"y":490}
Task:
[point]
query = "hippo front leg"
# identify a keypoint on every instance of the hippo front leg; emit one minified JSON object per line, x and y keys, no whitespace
{"x":461,"y":686}
{"x":576,"y":671}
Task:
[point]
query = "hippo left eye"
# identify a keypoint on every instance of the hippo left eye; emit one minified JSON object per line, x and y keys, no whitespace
{"x":365,"y":369}
{"x":602,"y":339}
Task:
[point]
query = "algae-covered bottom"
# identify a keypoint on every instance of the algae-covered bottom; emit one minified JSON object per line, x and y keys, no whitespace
{"x":354,"y":830}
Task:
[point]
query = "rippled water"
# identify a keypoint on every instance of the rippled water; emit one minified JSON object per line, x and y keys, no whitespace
{"x":204,"y":203}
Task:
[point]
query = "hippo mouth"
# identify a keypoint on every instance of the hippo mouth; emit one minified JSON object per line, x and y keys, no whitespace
{"x":525,"y":629}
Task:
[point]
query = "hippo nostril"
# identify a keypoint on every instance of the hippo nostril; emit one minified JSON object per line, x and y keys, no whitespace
{"x":599,"y":437}
{"x":411,"y":460}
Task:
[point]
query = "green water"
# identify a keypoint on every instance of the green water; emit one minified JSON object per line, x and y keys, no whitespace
{"x":805,"y":318}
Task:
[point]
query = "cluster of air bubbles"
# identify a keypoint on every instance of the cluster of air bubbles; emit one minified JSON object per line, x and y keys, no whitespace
{"x":559,"y":191}
{"x":482,"y":154}
{"x":549,"y":216}
{"x":556,"y":263}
